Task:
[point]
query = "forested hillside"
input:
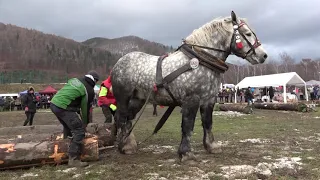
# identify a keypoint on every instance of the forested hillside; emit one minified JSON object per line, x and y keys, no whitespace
{"x":37,"y":57}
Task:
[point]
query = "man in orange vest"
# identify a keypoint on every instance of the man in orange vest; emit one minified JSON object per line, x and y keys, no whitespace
{"x":106,"y":100}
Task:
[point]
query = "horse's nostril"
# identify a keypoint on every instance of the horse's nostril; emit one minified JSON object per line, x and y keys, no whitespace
{"x":265,"y":56}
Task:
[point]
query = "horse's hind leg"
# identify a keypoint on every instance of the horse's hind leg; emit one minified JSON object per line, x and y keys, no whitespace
{"x":155,"y":113}
{"x":189,"y":112}
{"x":206,"y":118}
{"x":129,"y":144}
{"x":122,"y":96}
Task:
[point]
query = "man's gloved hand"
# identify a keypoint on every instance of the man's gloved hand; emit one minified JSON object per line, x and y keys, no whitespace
{"x":113,"y":107}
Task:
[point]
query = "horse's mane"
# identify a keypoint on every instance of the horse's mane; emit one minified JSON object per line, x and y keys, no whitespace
{"x":205,"y":32}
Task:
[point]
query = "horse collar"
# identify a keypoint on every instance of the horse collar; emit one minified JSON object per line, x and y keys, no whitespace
{"x":204,"y":58}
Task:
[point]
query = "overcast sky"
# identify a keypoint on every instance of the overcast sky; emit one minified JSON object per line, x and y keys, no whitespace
{"x":292,"y":26}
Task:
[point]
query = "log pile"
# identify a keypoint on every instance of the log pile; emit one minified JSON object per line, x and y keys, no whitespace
{"x":243,"y":108}
{"x":300,"y":107}
{"x":38,"y":145}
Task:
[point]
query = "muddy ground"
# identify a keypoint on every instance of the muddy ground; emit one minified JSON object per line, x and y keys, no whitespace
{"x":265,"y":145}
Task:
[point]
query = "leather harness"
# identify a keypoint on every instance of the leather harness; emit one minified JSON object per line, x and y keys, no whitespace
{"x":198,"y":57}
{"x":204,"y":59}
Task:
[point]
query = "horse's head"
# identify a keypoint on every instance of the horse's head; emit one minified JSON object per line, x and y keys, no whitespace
{"x":222,"y":37}
{"x":244,"y":42}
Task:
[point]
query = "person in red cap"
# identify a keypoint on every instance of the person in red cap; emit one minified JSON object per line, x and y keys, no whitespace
{"x":106,"y":100}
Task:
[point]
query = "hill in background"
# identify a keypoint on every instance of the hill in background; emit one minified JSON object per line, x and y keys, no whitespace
{"x":36,"y":57}
{"x":126,"y":44}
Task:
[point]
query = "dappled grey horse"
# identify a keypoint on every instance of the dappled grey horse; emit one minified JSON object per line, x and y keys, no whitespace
{"x":191,"y":79}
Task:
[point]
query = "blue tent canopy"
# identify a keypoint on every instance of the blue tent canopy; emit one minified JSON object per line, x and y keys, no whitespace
{"x":23,"y":92}
{"x":26,"y":91}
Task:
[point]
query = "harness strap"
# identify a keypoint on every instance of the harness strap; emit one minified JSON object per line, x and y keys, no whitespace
{"x":159,"y":77}
{"x":172,"y":76}
{"x":163,"y":119}
{"x":163,"y":82}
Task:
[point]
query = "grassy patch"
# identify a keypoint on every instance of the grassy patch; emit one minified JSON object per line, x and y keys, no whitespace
{"x":281,"y":134}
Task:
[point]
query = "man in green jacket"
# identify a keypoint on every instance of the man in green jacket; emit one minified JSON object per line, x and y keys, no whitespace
{"x":76,"y":95}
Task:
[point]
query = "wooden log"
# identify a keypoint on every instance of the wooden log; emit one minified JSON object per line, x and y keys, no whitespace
{"x":234,"y":107}
{"x":105,"y":132}
{"x":301,"y":107}
{"x":52,"y":150}
{"x":34,"y":146}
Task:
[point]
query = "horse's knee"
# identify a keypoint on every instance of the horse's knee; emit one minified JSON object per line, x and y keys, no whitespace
{"x":135,"y":106}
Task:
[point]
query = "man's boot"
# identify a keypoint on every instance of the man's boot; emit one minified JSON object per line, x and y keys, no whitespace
{"x":74,"y":162}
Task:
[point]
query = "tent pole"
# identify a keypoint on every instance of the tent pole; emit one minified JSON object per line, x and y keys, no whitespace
{"x":285,"y":93}
{"x":306,"y":92}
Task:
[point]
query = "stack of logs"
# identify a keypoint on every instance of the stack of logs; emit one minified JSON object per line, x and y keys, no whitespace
{"x":234,"y":107}
{"x":244,"y":108}
{"x":27,"y":146}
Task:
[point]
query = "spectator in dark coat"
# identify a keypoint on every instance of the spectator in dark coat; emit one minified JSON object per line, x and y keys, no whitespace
{"x":2,"y":102}
{"x":248,"y":95}
{"x":239,"y":94}
{"x":30,"y":102}
{"x":271,"y":93}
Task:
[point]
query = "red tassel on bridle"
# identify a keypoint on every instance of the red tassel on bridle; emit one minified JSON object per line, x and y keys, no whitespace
{"x":238,"y":40}
{"x":239,"y":45}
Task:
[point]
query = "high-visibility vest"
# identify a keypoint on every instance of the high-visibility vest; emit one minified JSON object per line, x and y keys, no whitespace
{"x":105,"y":93}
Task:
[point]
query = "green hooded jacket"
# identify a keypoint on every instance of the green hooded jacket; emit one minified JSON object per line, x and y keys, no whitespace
{"x":76,"y":95}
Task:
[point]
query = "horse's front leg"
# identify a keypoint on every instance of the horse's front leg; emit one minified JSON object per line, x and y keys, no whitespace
{"x":209,"y":144}
{"x":189,"y":112}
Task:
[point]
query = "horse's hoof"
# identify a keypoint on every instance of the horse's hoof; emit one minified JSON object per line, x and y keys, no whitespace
{"x":188,"y":156}
{"x":214,"y":148}
{"x":129,"y":146}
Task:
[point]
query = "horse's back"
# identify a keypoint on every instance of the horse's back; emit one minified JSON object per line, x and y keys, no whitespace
{"x":136,"y":68}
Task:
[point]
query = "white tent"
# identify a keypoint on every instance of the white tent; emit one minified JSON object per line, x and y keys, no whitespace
{"x":312,"y":83}
{"x":283,"y":79}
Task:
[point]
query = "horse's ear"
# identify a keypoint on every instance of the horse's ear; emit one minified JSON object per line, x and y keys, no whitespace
{"x":233,"y":16}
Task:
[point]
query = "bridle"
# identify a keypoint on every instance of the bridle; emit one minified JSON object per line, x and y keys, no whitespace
{"x":235,"y":44}
{"x":237,"y":41}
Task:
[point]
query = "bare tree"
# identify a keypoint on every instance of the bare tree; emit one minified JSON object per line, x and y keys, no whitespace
{"x":274,"y":66}
{"x":305,"y":63}
{"x":317,"y":67}
{"x":287,"y":61}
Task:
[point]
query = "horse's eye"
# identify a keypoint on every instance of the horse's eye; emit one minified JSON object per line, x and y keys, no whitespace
{"x":248,"y":34}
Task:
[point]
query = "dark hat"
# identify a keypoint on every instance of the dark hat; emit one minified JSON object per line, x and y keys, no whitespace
{"x":94,"y":74}
{"x":31,"y":88}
